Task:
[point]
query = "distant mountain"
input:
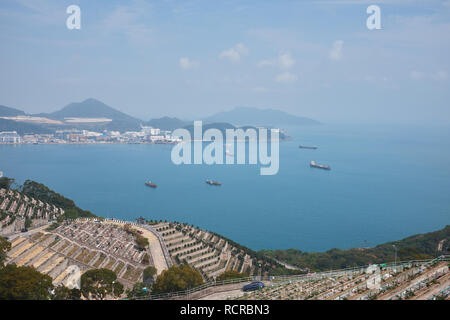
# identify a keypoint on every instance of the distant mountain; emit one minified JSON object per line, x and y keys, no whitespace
{"x":260,"y":117}
{"x":166,"y":123}
{"x":90,"y":108}
{"x":222,"y":126}
{"x":10,"y":112}
{"x":23,"y":127}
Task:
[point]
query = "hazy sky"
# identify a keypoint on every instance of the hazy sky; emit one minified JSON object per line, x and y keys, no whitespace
{"x":193,"y":58}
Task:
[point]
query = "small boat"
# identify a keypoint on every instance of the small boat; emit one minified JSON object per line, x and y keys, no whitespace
{"x":213,"y":183}
{"x":150,"y":184}
{"x":313,"y":164}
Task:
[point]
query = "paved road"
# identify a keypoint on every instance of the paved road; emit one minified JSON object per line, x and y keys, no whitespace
{"x":154,"y":245}
{"x":227,"y":291}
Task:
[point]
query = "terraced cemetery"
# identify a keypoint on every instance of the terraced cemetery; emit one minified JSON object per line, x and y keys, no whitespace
{"x":18,"y":212}
{"x":74,"y":247}
{"x":209,"y":253}
{"x":425,"y":281}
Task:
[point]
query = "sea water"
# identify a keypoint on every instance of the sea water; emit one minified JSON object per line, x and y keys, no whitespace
{"x":385,"y":183}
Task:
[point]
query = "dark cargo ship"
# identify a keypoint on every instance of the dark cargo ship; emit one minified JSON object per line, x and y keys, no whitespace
{"x":150,"y":184}
{"x":320,"y":166}
{"x":308,"y":147}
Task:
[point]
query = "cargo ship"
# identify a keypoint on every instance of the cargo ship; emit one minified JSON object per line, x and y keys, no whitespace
{"x":313,"y":164}
{"x":213,"y":183}
{"x":308,"y":147}
{"x":150,"y":184}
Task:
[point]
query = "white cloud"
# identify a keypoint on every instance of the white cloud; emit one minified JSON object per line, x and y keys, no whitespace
{"x":129,"y":20}
{"x":259,"y":89}
{"x":186,"y":63}
{"x":286,"y":61}
{"x":283,"y":61}
{"x":336,"y":50}
{"x":286,"y":77}
{"x":441,"y":75}
{"x":234,"y":54}
{"x":416,"y":75}
{"x":419,"y":75}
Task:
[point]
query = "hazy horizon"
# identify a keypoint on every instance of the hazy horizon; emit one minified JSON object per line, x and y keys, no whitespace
{"x":188,"y":59}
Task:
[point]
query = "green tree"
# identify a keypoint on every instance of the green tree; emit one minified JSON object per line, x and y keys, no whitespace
{"x":24,"y":283}
{"x":177,"y":278}
{"x":5,"y":183}
{"x":5,"y":246}
{"x":139,"y":290}
{"x":231,"y":274}
{"x":149,"y":273}
{"x":64,"y":293}
{"x":39,"y":191}
{"x":141,"y":242}
{"x":99,"y":283}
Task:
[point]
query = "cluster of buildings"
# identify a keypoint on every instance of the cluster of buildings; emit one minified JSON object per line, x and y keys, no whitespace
{"x":10,"y":137}
{"x":145,"y":135}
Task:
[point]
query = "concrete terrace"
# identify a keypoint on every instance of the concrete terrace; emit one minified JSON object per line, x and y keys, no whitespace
{"x":75,"y":247}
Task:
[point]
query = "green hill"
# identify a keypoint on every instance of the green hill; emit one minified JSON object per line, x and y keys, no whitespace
{"x":89,"y":108}
{"x":260,"y":117}
{"x":10,"y":112}
{"x":166,"y":123}
{"x":223,"y":126}
{"x":23,"y":127}
{"x":420,"y":246}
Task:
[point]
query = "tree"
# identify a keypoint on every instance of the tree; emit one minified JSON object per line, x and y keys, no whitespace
{"x":139,"y":290}
{"x":146,"y":259}
{"x":231,"y":274}
{"x":177,"y":278}
{"x":24,"y":283}
{"x":5,"y":246}
{"x":64,"y":293}
{"x":39,"y":191}
{"x":98,"y":283}
{"x":141,"y":242}
{"x":5,"y":183}
{"x":149,"y":273}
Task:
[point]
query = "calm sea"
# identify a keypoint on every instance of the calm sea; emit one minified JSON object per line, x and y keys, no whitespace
{"x":386,"y":183}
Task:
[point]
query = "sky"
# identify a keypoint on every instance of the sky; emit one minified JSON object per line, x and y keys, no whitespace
{"x":193,"y":58}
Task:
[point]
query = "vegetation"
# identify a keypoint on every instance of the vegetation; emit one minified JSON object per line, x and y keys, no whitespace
{"x":64,"y":293}
{"x":231,"y":274}
{"x":99,"y":283}
{"x":5,"y":183}
{"x":5,"y":246}
{"x":23,"y":127}
{"x":421,"y":246}
{"x":43,"y":193}
{"x":139,"y":290}
{"x":52,"y":227}
{"x":141,"y":242}
{"x":177,"y":278}
{"x":24,"y":283}
{"x":149,"y":273}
